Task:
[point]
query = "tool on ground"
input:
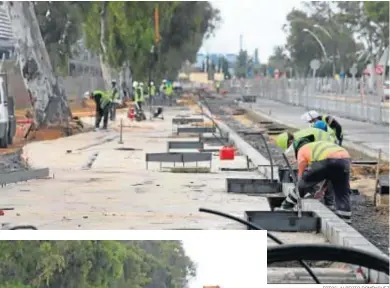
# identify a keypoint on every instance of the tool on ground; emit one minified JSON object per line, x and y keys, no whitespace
{"x":295,"y":180}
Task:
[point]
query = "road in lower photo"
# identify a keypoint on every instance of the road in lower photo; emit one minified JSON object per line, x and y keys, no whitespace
{"x":227,"y":259}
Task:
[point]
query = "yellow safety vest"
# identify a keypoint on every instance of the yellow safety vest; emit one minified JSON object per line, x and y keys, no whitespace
{"x":319,"y":135}
{"x":320,"y":150}
{"x":152,"y":90}
{"x":106,"y":99}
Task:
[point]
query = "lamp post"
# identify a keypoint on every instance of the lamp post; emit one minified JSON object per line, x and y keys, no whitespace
{"x":334,"y":46}
{"x":318,"y":41}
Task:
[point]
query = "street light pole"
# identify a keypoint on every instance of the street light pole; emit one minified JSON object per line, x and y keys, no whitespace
{"x":318,"y":41}
{"x":331,"y":38}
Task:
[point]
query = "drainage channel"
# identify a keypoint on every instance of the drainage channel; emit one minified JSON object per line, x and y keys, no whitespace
{"x":328,"y":224}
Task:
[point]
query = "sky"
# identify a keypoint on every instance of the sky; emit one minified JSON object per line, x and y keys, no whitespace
{"x":260,"y":23}
{"x":229,"y":262}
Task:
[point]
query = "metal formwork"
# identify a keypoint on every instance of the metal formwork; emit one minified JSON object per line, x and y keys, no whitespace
{"x":23,"y":175}
{"x":178,"y":158}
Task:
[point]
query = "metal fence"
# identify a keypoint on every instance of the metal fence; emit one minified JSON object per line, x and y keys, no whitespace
{"x":349,"y":98}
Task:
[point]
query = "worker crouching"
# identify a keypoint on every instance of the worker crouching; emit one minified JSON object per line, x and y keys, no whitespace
{"x":102,"y":101}
{"x":323,"y":161}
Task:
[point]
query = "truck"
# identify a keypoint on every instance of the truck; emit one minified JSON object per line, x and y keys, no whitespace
{"x":7,"y":114}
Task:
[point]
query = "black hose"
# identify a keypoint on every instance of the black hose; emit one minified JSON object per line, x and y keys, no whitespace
{"x":323,"y":252}
{"x":24,"y":227}
{"x":271,"y":161}
{"x":269,"y":235}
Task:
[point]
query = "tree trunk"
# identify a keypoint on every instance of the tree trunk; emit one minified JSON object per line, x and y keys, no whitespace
{"x":50,"y":103}
{"x":106,"y":71}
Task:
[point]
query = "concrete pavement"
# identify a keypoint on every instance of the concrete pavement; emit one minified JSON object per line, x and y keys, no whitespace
{"x":366,"y":137}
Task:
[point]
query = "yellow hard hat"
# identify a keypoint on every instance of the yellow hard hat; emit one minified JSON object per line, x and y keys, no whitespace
{"x":282,"y":140}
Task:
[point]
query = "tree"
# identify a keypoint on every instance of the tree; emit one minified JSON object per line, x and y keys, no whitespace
{"x":50,"y":103}
{"x":242,"y":64}
{"x":191,"y":23}
{"x":86,"y":264}
{"x":61,"y":26}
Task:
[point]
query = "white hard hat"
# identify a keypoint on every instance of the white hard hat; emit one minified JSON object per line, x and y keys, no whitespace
{"x":135,"y":84}
{"x":141,"y":84}
{"x":151,"y":83}
{"x":310,"y":116}
{"x":164,"y":81}
{"x":113,"y":81}
{"x":87,"y":94}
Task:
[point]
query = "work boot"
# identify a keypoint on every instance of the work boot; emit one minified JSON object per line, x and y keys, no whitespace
{"x":286,"y":206}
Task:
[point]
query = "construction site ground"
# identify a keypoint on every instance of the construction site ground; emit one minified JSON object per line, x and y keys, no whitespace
{"x":118,"y":192}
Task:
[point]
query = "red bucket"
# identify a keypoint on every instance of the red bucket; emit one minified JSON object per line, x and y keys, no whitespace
{"x":227,"y":153}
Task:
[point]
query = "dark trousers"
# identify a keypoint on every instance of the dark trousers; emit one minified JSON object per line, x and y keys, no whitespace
{"x":102,"y":114}
{"x":112,"y":111}
{"x":337,"y":173}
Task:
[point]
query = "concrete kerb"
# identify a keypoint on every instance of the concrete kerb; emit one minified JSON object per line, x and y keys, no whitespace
{"x":349,"y":144}
{"x":337,"y":232}
{"x":262,"y":164}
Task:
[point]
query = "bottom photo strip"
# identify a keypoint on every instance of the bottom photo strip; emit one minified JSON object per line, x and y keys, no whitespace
{"x":180,"y":259}
{"x":149,"y":259}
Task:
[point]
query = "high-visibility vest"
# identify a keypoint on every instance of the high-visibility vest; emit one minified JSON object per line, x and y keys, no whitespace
{"x":105,"y":100}
{"x":168,"y":90}
{"x":139,"y":95}
{"x":97,"y":93}
{"x":319,"y":135}
{"x":114,"y":94}
{"x":152,"y":90}
{"x":320,"y":150}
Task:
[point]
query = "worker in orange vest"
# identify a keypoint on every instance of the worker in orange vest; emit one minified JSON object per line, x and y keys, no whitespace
{"x":322,"y":161}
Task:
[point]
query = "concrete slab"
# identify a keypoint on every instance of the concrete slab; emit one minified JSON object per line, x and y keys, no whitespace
{"x":368,"y":138}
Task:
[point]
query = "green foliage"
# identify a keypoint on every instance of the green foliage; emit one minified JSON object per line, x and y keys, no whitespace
{"x":129,"y":32}
{"x":191,"y":22}
{"x":60,"y":29}
{"x":90,"y":264}
{"x":242,"y":64}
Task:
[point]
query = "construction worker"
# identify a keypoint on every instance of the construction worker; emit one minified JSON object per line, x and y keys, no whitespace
{"x":312,"y":116}
{"x":102,"y":101}
{"x":140,"y":95}
{"x":135,"y":85}
{"x":115,"y":97}
{"x":151,"y":92}
{"x":322,"y":161}
{"x":217,"y":86}
{"x":169,"y":92}
{"x":285,"y":139}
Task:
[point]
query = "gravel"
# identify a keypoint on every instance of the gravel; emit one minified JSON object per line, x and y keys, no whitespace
{"x":12,"y":162}
{"x":370,"y":221}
